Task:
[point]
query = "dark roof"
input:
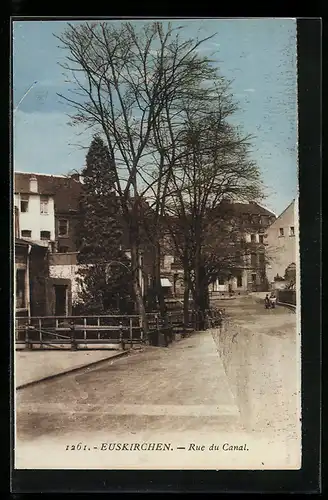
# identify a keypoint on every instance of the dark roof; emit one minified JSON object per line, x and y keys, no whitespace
{"x":251,"y":208}
{"x":232,"y":208}
{"x":26,"y":243}
{"x":65,"y":190}
{"x":23,"y":243}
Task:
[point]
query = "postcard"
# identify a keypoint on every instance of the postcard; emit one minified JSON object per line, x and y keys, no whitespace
{"x":156,"y":245}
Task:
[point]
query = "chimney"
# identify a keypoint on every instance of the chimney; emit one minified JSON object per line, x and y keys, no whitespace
{"x":33,"y":184}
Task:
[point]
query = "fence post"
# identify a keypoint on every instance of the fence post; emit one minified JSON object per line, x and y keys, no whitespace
{"x":121,"y":337}
{"x":141,"y":334}
{"x":27,"y":344}
{"x":98,"y":324}
{"x":165,"y":331}
{"x":72,"y":332}
{"x":169,"y":321}
{"x":157,"y":329}
{"x":131,"y":333}
{"x":40,"y":332}
{"x":85,"y":331}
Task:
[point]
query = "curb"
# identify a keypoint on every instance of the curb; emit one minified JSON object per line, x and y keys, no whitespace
{"x":71,"y":370}
{"x":289,"y":306}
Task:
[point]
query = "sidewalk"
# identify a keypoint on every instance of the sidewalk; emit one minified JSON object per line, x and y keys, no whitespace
{"x":36,"y":365}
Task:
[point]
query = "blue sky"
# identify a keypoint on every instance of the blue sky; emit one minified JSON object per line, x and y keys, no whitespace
{"x":259,"y":55}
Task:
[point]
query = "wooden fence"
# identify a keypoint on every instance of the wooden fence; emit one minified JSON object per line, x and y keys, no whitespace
{"x":74,"y":331}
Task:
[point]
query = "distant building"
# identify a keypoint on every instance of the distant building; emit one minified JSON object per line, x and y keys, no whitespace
{"x":282,"y":240}
{"x":251,"y":273}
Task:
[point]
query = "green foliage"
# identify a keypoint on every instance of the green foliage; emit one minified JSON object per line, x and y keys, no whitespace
{"x":104,"y":271}
{"x":290,"y":273}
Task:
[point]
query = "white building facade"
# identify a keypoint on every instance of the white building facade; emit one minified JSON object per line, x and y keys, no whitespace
{"x":35,"y":212}
{"x":282,"y":240}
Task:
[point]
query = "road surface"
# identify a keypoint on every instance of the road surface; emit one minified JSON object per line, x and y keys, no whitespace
{"x":222,"y":382}
{"x":181,"y":387}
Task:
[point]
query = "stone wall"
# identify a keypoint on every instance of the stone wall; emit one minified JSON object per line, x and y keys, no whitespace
{"x":287,"y":297}
{"x":264,"y":377}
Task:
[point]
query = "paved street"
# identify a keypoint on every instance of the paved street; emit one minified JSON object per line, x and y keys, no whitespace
{"x":180,"y":387}
{"x":233,"y":381}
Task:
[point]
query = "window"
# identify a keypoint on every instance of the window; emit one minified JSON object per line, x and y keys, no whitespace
{"x":24,"y":203}
{"x":63,"y":249}
{"x":292,"y":231}
{"x":20,"y":288}
{"x":63,"y":227}
{"x":261,"y":259}
{"x":254,"y":278}
{"x":221,"y":281}
{"x":239,"y":280}
{"x":253,"y":238}
{"x":44,"y":204}
{"x":26,"y":233}
{"x":281,"y":231}
{"x":261,"y":238}
{"x":44,"y":235}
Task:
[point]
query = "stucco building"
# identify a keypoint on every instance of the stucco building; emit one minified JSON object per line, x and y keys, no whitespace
{"x":34,"y":210}
{"x":37,"y":293}
{"x":282,"y":244}
{"x":48,"y":208}
{"x":250,"y":275}
{"x":47,"y":213}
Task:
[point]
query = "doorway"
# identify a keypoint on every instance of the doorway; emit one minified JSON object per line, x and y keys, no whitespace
{"x":254,"y":282}
{"x":60,"y":300}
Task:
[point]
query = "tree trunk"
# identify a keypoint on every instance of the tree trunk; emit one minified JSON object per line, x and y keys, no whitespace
{"x":201,"y":295}
{"x":199,"y":307}
{"x":158,"y":284}
{"x":186,"y":297}
{"x":136,"y":285}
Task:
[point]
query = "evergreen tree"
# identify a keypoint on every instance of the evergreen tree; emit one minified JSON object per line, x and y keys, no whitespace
{"x":104,"y":271}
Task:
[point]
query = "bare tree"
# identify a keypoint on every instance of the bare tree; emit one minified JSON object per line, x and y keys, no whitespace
{"x":126,"y":80}
{"x":216,"y":166}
